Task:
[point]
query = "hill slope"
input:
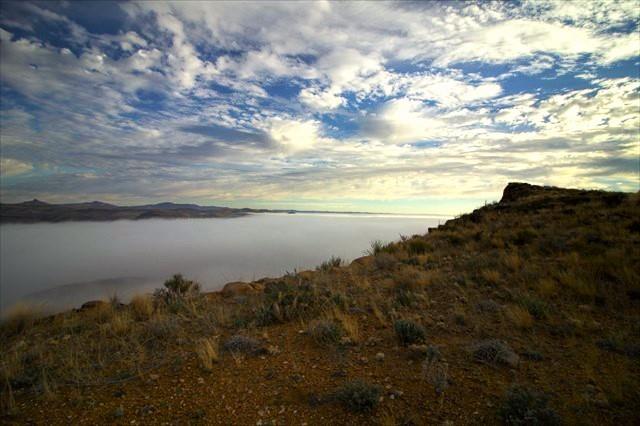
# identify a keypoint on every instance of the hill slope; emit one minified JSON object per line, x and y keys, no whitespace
{"x":527,"y":309}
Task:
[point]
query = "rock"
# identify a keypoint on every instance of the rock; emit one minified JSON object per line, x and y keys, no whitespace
{"x":346,"y":341}
{"x":238,"y":288}
{"x":154,"y":376}
{"x":273,"y":350}
{"x":600,"y":400}
{"x":200,"y":380}
{"x":92,"y":304}
{"x":380,"y":357}
{"x":515,"y":191}
{"x":417,"y":351}
{"x":119,"y":412}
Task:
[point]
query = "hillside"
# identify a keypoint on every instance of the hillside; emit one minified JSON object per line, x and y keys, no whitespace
{"x":525,"y":311}
{"x":39,"y":211}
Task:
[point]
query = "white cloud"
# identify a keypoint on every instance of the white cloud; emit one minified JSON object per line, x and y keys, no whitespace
{"x":294,"y":135}
{"x":11,"y":167}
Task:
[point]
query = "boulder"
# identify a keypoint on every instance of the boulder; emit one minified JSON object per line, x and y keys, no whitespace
{"x":92,"y":304}
{"x":239,"y":288}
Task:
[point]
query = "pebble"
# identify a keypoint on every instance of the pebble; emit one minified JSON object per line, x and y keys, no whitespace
{"x":380,"y":356}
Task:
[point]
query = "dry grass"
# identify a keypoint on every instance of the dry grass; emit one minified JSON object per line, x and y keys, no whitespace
{"x":141,"y":306}
{"x":490,"y":276}
{"x":19,"y":319}
{"x":120,"y":323}
{"x":207,"y":351}
{"x":349,"y":324}
{"x":519,"y":316}
{"x":512,"y":261}
{"x":547,"y":287}
{"x":577,"y":284}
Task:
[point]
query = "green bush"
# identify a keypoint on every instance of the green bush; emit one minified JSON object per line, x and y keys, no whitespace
{"x":409,"y":332}
{"x":358,"y":395}
{"x":523,"y":406}
{"x":177,"y":292}
{"x":327,"y":265}
{"x":325,"y":332}
{"x":417,"y":246}
{"x":536,"y":307}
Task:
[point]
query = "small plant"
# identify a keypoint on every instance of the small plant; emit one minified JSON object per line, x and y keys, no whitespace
{"x":177,"y":287}
{"x":141,"y":306}
{"x":417,"y":246}
{"x":523,"y":406}
{"x":327,"y":265}
{"x":325,"y":332}
{"x":384,"y":262}
{"x":207,"y":351}
{"x":19,"y":318}
{"x":243,"y":344}
{"x":490,"y":276}
{"x":536,"y":307}
{"x":489,"y":305}
{"x":520,"y":317}
{"x":358,"y":395}
{"x":409,"y":332}
{"x":495,"y":351}
{"x":376,"y":247}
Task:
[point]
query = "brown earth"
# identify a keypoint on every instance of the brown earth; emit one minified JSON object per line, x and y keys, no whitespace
{"x":551,"y":272}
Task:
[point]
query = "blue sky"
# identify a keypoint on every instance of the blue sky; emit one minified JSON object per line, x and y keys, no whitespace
{"x":407,"y":107}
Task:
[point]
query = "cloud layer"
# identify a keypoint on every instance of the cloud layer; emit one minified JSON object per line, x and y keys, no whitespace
{"x":420,"y":107}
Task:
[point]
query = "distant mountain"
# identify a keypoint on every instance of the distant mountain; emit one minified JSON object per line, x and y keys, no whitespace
{"x":39,"y":211}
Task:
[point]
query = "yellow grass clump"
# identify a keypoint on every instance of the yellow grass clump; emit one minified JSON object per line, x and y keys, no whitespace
{"x":207,"y":351}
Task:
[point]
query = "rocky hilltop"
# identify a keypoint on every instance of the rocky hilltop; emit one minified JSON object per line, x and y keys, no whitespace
{"x":525,"y":311}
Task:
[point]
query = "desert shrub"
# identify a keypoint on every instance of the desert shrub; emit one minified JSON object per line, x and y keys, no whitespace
{"x":494,"y":351}
{"x":207,"y":351}
{"x":490,"y":276}
{"x":436,"y":374}
{"x":19,"y":318}
{"x":519,"y":316}
{"x":378,"y":247}
{"x":524,"y":236}
{"x":488,"y":305}
{"x":417,"y":246}
{"x":141,"y":307}
{"x":327,"y":265}
{"x":178,"y":293}
{"x":358,"y":395}
{"x":243,"y":344}
{"x":408,"y":280}
{"x":384,"y":261}
{"x":162,"y":327}
{"x":536,"y":307}
{"x":522,"y":406}
{"x":285,"y":301}
{"x":409,"y":332}
{"x":619,"y":343}
{"x":325,"y":332}
{"x":406,"y":298}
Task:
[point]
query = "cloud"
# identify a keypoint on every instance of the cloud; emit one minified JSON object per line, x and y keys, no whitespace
{"x":11,"y":167}
{"x":326,"y":100}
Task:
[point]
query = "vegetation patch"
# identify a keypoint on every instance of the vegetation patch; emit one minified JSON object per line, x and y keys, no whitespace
{"x":358,"y":395}
{"x":495,"y":352}
{"x":409,"y":332}
{"x":523,"y":406}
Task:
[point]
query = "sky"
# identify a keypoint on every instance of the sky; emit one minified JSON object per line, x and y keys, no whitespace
{"x":402,"y":107}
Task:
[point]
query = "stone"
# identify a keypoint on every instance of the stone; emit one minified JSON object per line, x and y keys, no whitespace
{"x":379,"y":357}
{"x":238,"y":288}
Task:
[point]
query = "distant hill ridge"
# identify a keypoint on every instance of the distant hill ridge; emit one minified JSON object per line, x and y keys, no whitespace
{"x":39,"y":211}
